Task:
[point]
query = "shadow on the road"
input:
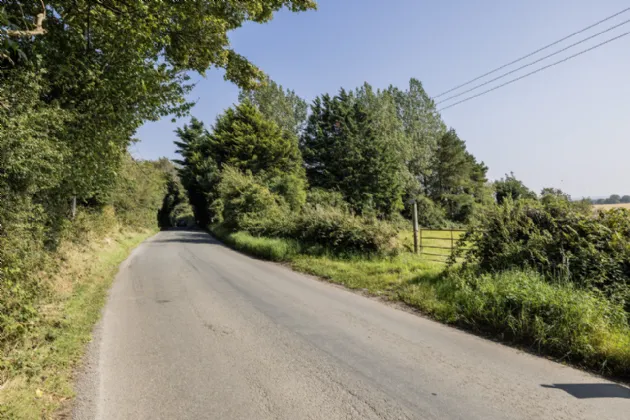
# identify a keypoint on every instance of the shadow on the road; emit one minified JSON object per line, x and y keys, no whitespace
{"x":593,"y":390}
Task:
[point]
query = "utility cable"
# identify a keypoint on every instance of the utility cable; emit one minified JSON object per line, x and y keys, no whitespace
{"x":535,"y":52}
{"x":533,"y":62}
{"x":535,"y":71}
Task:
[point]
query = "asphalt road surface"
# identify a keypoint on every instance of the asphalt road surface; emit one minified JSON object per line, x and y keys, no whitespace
{"x":194,"y":330}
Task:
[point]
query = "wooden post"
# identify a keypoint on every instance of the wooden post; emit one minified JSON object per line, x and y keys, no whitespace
{"x":73,"y":207}
{"x":415,"y":227}
{"x":452,"y":243}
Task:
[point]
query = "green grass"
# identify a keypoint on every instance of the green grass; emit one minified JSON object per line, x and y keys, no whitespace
{"x":38,"y":371}
{"x":516,"y":307}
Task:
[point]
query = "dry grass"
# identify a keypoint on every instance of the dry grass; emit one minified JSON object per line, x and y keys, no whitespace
{"x":38,"y":372}
{"x":604,"y":207}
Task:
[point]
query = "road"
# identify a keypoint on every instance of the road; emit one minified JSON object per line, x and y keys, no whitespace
{"x":194,"y":330}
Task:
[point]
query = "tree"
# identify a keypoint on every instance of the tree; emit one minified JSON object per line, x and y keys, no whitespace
{"x":198,"y":172}
{"x":343,"y":151}
{"x":244,"y":139}
{"x":457,"y":179}
{"x":513,"y":188}
{"x":554,"y":192}
{"x":614,"y":199}
{"x":284,"y":107}
{"x":422,"y":126}
{"x":625,"y":199}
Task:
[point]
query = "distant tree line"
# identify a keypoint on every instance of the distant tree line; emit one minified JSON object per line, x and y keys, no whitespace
{"x":613,"y":199}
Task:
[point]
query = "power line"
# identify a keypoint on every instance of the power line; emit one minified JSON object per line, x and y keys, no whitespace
{"x":533,"y":62}
{"x":535,"y":52}
{"x":535,"y":71}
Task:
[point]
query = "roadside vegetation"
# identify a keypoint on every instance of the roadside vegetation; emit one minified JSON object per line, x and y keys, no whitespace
{"x":77,"y":79}
{"x":329,"y":194}
{"x":325,"y":187}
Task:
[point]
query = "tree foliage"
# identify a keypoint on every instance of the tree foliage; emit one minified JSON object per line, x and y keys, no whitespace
{"x":343,"y":150}
{"x":613,"y":199}
{"x":510,"y":187}
{"x":457,"y":180}
{"x":284,"y":107}
{"x":244,"y":140}
{"x":558,"y":238}
{"x":77,"y":79}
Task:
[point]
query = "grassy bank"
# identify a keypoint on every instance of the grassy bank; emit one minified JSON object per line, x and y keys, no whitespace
{"x":37,"y":372}
{"x":516,"y":307}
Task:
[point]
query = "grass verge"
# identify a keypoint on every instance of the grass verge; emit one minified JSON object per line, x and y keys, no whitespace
{"x":516,"y":307}
{"x":38,"y":371}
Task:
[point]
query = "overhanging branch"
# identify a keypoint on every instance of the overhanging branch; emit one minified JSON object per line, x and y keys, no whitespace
{"x":39,"y":28}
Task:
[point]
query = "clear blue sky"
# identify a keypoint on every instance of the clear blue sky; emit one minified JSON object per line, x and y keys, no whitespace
{"x":566,"y":127}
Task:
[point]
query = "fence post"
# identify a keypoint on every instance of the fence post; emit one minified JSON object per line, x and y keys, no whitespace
{"x":452,"y":244}
{"x":415,"y":227}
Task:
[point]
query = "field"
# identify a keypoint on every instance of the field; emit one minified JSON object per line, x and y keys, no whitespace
{"x":604,"y":207}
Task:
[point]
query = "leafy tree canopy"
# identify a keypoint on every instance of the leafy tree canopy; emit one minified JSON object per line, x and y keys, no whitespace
{"x":284,"y":107}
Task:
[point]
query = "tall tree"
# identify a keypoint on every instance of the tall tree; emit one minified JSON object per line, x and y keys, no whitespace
{"x":198,"y":172}
{"x":284,"y":107}
{"x":457,"y":180}
{"x":343,"y":151}
{"x":422,"y":126}
{"x":244,"y":139}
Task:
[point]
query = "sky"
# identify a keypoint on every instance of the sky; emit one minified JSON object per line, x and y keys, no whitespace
{"x":566,"y":127}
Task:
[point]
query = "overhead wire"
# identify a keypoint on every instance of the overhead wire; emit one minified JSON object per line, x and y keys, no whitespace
{"x":534,"y":62}
{"x":535,"y":52}
{"x":535,"y":71}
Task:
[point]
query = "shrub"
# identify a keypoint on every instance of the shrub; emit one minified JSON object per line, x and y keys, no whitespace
{"x":342,"y":231}
{"x":246,"y":204}
{"x":430,"y":215}
{"x":558,"y":239}
{"x":318,"y":197}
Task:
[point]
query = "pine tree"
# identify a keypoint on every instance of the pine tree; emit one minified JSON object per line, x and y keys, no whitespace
{"x":343,"y":151}
{"x":244,"y":139}
{"x":457,"y":180}
{"x":198,"y":172}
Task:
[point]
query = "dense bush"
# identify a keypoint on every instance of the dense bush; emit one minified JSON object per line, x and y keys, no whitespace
{"x":318,"y":197}
{"x":245,"y":203}
{"x":560,"y":239}
{"x":343,"y":231}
